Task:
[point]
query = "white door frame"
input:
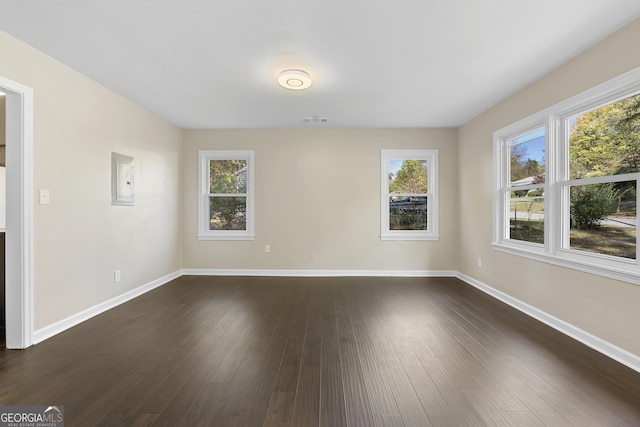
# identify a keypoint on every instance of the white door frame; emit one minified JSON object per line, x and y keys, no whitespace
{"x":19,"y":234}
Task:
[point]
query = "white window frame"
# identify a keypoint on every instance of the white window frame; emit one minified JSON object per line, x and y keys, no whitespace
{"x":431,"y":233}
{"x":204,"y":157}
{"x":554,"y":119}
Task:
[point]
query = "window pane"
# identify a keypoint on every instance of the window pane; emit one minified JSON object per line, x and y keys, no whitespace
{"x":527,"y":157}
{"x":407,"y":176}
{"x":605,"y":141}
{"x":526,"y":215}
{"x":408,"y":213}
{"x":227,"y":213}
{"x":228,"y":176}
{"x":603,"y":218}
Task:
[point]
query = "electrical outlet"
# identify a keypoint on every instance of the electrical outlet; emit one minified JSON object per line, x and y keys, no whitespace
{"x":312,"y":255}
{"x":267,"y":248}
{"x":479,"y":262}
{"x":44,"y":197}
{"x":116,"y":276}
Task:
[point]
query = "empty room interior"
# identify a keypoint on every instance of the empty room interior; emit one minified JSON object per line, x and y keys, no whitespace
{"x":341,"y":213}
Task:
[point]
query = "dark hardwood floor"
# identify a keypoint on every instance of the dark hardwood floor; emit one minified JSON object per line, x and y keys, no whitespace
{"x":253,"y":351}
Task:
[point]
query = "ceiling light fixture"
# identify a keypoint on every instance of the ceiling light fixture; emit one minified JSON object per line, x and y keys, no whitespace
{"x":294,"y":79}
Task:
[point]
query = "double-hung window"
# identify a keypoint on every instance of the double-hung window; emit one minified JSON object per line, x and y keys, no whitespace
{"x":409,"y":195}
{"x":225,"y":187}
{"x":566,"y":182}
{"x":522,"y":192}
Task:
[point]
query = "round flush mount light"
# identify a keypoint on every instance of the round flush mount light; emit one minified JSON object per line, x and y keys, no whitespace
{"x":294,"y":79}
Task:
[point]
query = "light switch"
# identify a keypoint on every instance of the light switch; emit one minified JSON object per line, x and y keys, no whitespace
{"x":44,"y":197}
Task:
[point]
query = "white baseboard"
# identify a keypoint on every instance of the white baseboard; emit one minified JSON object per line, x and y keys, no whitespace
{"x":614,"y":352}
{"x":71,"y":321}
{"x":319,"y":273}
{"x":64,"y":324}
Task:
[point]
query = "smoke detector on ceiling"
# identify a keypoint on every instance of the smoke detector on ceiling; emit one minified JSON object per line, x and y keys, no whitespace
{"x":294,"y":79}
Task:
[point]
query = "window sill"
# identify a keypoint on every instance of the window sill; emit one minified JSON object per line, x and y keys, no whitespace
{"x":225,"y":237}
{"x":409,"y":237}
{"x":626,"y":271}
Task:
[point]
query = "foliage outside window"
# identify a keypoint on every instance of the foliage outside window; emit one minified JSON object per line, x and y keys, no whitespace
{"x":409,"y":195}
{"x":567,"y":182}
{"x":604,"y":161}
{"x":526,"y":186}
{"x":226,"y":195}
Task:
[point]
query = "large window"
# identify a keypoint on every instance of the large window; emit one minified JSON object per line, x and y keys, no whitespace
{"x":409,"y":195}
{"x":225,"y":186}
{"x":567,"y":180}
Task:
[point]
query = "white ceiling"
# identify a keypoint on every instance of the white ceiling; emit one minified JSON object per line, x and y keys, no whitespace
{"x":374,"y":63}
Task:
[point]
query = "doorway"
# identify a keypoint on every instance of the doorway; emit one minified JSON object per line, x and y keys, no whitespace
{"x":3,"y":216}
{"x":18,"y":298}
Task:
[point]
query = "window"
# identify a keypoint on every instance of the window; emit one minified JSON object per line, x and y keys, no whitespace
{"x":409,"y":208}
{"x":566,"y":182}
{"x":225,"y":187}
{"x":526,"y":186}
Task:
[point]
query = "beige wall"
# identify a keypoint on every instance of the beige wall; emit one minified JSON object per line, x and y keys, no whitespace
{"x":316,"y":191}
{"x":80,"y":239}
{"x":319,"y":191}
{"x":606,"y":308}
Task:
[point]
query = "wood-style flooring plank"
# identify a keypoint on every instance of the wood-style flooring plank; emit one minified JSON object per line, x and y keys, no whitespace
{"x":357,"y":404}
{"x":383,"y":338}
{"x":283,"y":398}
{"x":249,"y":391}
{"x":373,"y":360}
{"x":332,"y":403}
{"x":307,"y":404}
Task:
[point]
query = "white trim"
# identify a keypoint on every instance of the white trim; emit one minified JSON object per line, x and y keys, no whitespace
{"x":405,"y":235}
{"x":204,"y":157}
{"x":229,"y":236}
{"x":610,"y":350}
{"x":603,"y":94}
{"x":611,"y":91}
{"x":556,"y":248}
{"x":573,"y":260}
{"x":71,"y":321}
{"x":19,"y":234}
{"x":600,"y":179}
{"x":431,"y":233}
{"x":318,"y":273}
